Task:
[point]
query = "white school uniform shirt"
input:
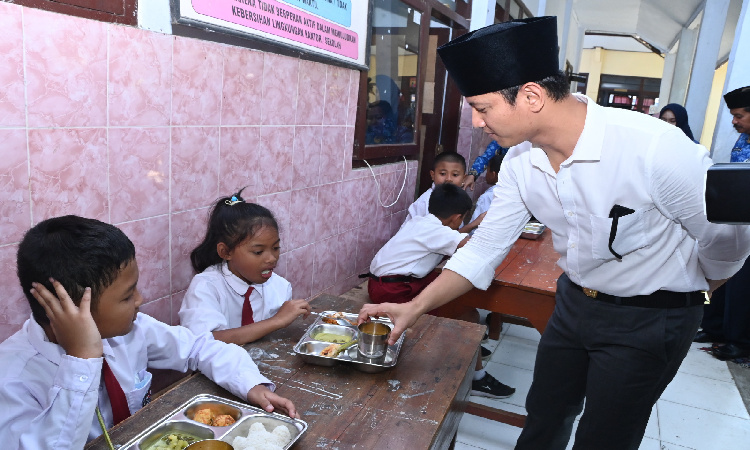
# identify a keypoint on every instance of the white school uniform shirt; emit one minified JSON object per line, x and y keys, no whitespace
{"x":417,"y":248}
{"x":420,"y":206}
{"x":621,"y":158}
{"x":215,"y":297}
{"x":49,"y":398}
{"x":483,"y":204}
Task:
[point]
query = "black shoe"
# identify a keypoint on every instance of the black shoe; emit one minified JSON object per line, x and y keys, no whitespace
{"x":486,"y":337}
{"x":703,"y":337}
{"x":730,"y":351}
{"x":489,"y":387}
{"x":486,"y":353}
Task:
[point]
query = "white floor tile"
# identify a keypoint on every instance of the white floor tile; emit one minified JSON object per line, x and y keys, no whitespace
{"x":652,"y":429}
{"x":522,"y":332}
{"x":698,"y":362}
{"x":700,"y":410}
{"x":515,"y":351}
{"x":487,"y":434}
{"x":463,"y":446}
{"x":650,"y":444}
{"x":650,"y":437}
{"x":668,"y":446}
{"x":700,"y":429}
{"x":706,"y":393}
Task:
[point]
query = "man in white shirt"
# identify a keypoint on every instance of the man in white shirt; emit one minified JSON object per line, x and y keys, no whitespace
{"x":622,"y":194}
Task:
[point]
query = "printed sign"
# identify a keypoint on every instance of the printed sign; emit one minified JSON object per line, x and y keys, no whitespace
{"x":333,"y":28}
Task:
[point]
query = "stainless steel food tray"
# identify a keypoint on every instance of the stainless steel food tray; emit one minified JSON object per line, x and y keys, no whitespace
{"x":309,"y":349}
{"x":180,"y":420}
{"x":532,"y":230}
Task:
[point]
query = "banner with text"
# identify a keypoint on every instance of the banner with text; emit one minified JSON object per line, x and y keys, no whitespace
{"x":333,"y":28}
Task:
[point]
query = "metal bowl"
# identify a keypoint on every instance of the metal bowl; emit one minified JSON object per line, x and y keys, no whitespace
{"x":347,"y":332}
{"x":210,"y":444}
{"x":216,"y":407}
{"x":176,"y":427}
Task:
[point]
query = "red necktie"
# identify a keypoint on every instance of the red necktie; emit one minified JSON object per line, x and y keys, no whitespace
{"x":247,"y":309}
{"x":120,"y":409}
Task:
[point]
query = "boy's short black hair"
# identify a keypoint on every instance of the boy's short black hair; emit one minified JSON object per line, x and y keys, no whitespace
{"x":448,"y":199}
{"x":76,"y":251}
{"x":495,"y":161}
{"x":449,"y":157}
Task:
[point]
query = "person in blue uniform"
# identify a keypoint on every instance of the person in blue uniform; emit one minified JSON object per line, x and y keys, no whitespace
{"x":727,"y":318}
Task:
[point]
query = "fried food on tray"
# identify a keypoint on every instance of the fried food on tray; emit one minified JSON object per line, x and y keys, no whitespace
{"x":327,"y":319}
{"x":204,"y":416}
{"x":330,"y":350}
{"x":207,"y":417}
{"x":335,"y":317}
{"x":223,"y":420}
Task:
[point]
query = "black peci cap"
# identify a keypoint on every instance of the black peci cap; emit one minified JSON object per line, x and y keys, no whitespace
{"x":503,"y":55}
{"x":738,"y":98}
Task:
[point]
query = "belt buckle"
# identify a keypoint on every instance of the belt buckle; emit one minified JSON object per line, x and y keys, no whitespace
{"x":590,"y":292}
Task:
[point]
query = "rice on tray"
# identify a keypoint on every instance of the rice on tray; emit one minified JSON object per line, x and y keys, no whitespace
{"x":258,"y":438}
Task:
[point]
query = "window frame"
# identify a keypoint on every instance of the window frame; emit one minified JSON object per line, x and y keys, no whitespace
{"x":381,"y":154}
{"x":123,"y":12}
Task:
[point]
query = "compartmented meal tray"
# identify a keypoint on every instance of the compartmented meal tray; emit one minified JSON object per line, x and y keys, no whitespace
{"x":180,"y":423}
{"x":532,"y":230}
{"x":309,"y":346}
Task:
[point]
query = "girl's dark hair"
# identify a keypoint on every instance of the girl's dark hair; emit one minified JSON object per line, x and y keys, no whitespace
{"x":557,"y":87}
{"x":232,"y":220}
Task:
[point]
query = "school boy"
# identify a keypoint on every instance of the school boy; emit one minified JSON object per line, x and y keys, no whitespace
{"x":86,"y":346}
{"x":405,"y":266}
{"x":448,"y":167}
{"x":484,"y":200}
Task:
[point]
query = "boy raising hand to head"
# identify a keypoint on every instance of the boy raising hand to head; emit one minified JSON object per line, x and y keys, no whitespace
{"x":87,"y":347}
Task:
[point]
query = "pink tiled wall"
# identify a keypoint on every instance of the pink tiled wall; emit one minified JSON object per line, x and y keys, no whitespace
{"x":145,"y":131}
{"x":472,"y":142}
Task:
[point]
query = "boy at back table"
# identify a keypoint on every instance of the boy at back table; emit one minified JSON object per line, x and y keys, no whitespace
{"x":448,"y":167}
{"x":86,"y":349}
{"x":405,"y":266}
{"x":484,"y":200}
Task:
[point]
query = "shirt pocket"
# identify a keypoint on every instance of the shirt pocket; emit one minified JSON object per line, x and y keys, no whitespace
{"x":631,"y":235}
{"x":141,"y":393}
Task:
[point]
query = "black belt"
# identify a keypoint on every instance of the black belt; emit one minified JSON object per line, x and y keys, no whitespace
{"x":390,"y":278}
{"x":658,"y":299}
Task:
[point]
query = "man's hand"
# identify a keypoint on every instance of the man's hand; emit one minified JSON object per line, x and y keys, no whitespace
{"x":714,"y":285}
{"x":74,"y":327}
{"x":262,"y":396}
{"x":403,"y":315}
{"x":469,"y":182}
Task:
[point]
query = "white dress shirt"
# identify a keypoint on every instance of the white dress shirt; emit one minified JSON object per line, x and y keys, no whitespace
{"x":420,"y":205}
{"x":49,"y":398}
{"x":215,"y":297}
{"x":624,"y":158}
{"x":417,"y":248}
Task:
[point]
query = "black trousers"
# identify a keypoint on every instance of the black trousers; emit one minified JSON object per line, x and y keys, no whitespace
{"x":618,"y":358}
{"x":728,"y":314}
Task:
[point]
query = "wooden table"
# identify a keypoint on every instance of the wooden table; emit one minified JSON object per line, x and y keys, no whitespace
{"x":415,"y":405}
{"x":524,"y":285}
{"x":523,"y":292}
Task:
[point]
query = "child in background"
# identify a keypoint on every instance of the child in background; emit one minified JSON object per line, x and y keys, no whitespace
{"x":484,"y":200}
{"x":405,"y":266}
{"x":448,"y":167}
{"x":86,"y":346}
{"x":236,"y":294}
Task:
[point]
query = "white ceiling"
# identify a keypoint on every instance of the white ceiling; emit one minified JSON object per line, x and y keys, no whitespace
{"x":658,"y":22}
